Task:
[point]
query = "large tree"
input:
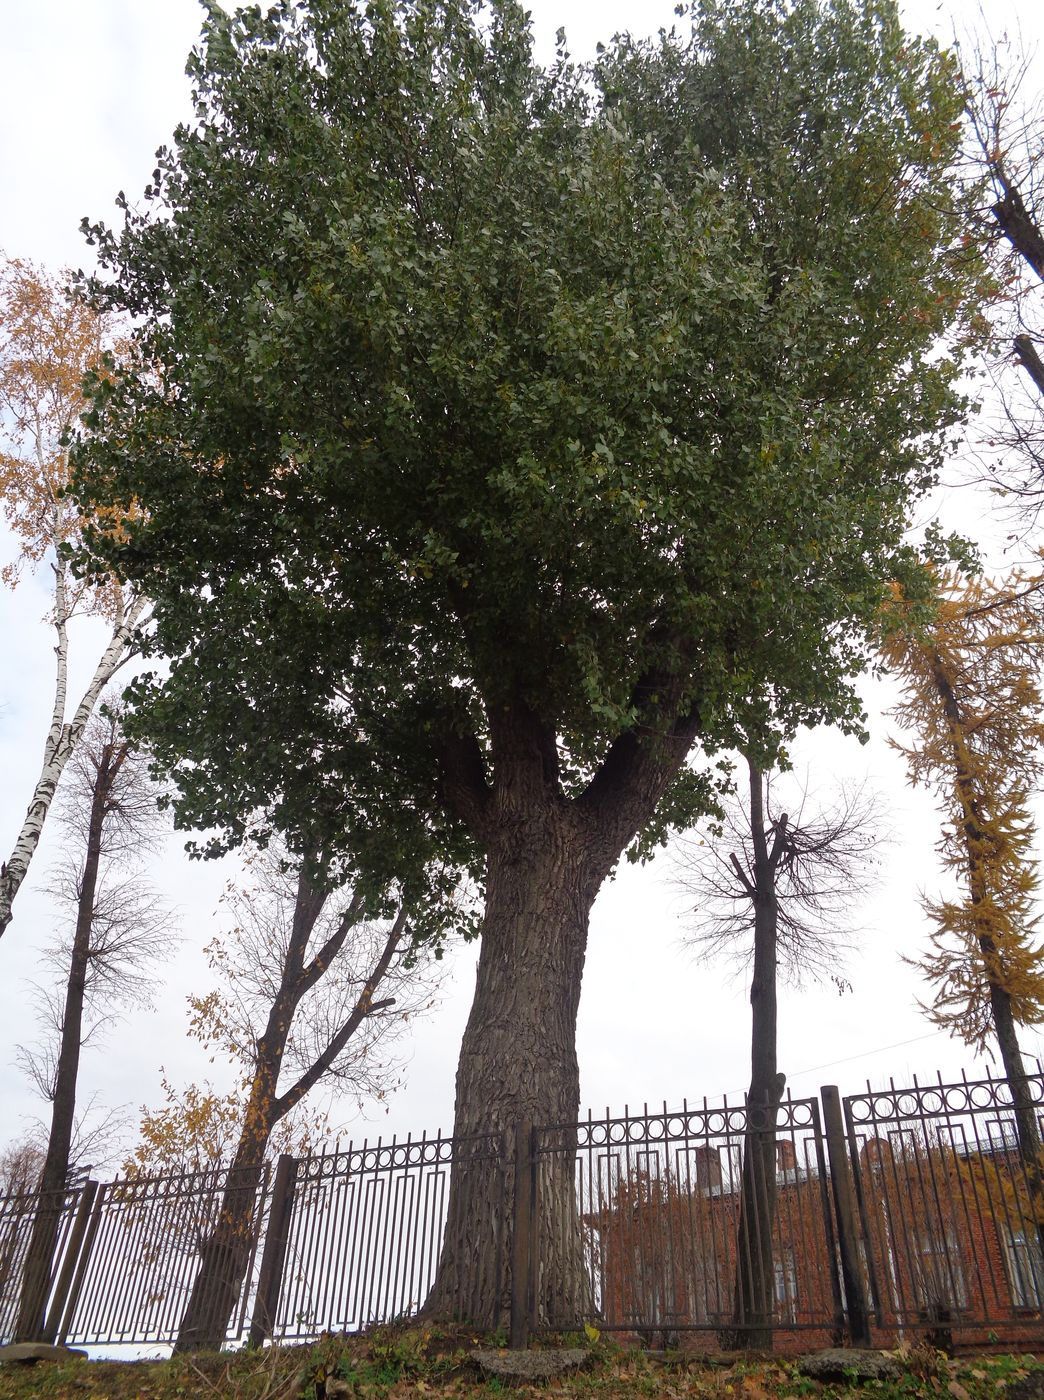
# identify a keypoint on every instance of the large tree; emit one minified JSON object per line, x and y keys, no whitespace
{"x":504,"y":432}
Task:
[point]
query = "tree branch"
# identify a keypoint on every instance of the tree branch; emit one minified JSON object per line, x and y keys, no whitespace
{"x":365,"y":1007}
{"x":1019,"y":228}
{"x":465,"y":790}
{"x":641,"y":762}
{"x":742,"y":874}
{"x":1030,"y":360}
{"x":310,"y":975}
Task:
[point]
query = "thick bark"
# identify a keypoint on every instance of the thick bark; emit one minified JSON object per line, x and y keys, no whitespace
{"x":39,"y":1264}
{"x":518,"y":1065}
{"x":62,"y":738}
{"x":755,"y":1277}
{"x":546,"y":857}
{"x":1030,"y":360}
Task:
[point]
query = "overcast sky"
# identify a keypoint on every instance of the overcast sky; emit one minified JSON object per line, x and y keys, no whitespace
{"x":91,"y":87}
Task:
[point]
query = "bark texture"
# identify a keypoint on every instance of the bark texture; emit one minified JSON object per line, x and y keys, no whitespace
{"x":546,"y":858}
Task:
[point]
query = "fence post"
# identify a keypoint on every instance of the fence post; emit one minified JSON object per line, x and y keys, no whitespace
{"x":856,"y":1310}
{"x":273,"y":1258}
{"x":522,"y":1235}
{"x":91,"y":1224}
{"x":72,"y":1254}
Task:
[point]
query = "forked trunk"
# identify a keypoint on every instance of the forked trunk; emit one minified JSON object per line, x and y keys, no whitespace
{"x":518,"y":1066}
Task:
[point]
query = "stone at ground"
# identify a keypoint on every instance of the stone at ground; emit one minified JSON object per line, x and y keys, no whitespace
{"x":1029,"y":1387}
{"x":530,"y":1365}
{"x":37,"y":1351}
{"x":848,"y":1363}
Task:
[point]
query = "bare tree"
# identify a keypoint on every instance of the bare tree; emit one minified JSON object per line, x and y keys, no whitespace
{"x":21,"y":1163}
{"x":313,"y":992}
{"x":772,"y":893}
{"x":1006,"y":159}
{"x":119,"y":932}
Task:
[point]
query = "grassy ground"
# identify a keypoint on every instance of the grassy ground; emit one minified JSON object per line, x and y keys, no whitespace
{"x":391,"y":1364}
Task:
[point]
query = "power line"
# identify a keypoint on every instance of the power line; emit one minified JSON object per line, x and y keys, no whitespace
{"x":878,"y":1050}
{"x":863,"y":1053}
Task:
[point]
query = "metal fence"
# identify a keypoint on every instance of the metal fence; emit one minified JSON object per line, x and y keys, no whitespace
{"x":141,"y":1255}
{"x":951,"y":1208}
{"x":17,"y":1214}
{"x":366,"y":1230}
{"x":883,"y":1215}
{"x":659,"y":1198}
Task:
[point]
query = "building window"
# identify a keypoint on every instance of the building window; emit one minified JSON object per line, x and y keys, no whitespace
{"x":785,"y":1285}
{"x":939,"y":1272}
{"x":1022,"y":1259}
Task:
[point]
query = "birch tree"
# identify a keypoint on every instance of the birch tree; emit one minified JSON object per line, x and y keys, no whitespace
{"x":49,"y":342}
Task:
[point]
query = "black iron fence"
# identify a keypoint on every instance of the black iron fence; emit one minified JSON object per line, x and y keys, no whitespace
{"x":951,"y":1207}
{"x":365,"y":1229}
{"x":140,"y":1257}
{"x":908,"y":1212}
{"x":659,"y":1204}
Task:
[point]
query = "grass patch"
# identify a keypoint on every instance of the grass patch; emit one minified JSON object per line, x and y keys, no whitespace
{"x":412,"y":1363}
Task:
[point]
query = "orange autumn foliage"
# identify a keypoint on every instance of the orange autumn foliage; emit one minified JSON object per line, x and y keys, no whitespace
{"x":974,"y":706}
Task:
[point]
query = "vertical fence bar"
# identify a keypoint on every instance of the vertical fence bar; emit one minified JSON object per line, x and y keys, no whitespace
{"x":72,"y":1253}
{"x":844,"y":1205}
{"x":91,"y":1229}
{"x":273,"y":1258}
{"x":521,"y":1236}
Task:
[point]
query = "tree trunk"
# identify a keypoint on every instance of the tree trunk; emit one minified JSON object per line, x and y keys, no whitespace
{"x":39,"y":1262}
{"x":518,"y":1065}
{"x":755,"y":1276}
{"x":546,"y":858}
{"x":1027,"y":1128}
{"x":225,"y":1254}
{"x":226,"y":1251}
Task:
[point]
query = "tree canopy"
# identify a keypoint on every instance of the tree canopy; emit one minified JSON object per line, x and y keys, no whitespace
{"x":466,"y":386}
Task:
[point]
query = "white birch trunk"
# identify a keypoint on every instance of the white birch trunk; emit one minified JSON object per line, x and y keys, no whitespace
{"x":63,"y":735}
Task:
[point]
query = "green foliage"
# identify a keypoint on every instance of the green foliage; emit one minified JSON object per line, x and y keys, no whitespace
{"x":464,"y":385}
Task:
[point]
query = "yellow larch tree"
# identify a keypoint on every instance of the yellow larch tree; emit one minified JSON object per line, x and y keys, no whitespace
{"x":972,"y":703}
{"x":50,"y":341}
